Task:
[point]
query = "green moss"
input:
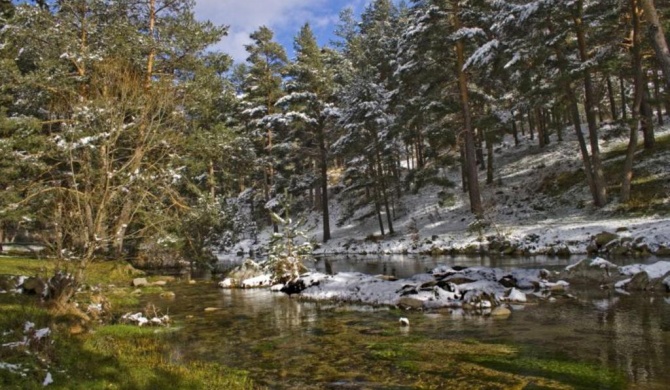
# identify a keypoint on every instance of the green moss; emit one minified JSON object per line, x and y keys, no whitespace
{"x":579,"y":375}
{"x":559,"y":183}
{"x":648,"y":192}
{"x":118,"y":357}
{"x":98,"y":272}
{"x":386,"y":351}
{"x":25,"y":266}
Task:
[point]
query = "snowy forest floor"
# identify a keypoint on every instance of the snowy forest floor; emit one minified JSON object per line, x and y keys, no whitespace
{"x":538,"y":203}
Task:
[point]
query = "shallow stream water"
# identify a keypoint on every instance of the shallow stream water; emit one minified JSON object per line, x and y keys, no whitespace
{"x":623,"y":340}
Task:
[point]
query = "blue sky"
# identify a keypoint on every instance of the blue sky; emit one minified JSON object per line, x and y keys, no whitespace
{"x":284,"y":17}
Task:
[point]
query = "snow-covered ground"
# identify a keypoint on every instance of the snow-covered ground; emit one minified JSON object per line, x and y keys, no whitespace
{"x":521,"y":219}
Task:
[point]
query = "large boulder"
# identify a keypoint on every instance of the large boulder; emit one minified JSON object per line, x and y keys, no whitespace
{"x":35,"y":285}
{"x":140,"y":282}
{"x":646,"y":277}
{"x":247,"y":274}
{"x":604,"y":238}
{"x":8,"y":283}
{"x":410,"y":302}
{"x":590,"y":270}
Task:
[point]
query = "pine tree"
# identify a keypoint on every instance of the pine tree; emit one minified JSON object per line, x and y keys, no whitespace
{"x":309,"y":106}
{"x":263,"y":87}
{"x":367,"y":119}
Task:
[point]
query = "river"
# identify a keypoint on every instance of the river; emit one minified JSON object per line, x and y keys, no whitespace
{"x":623,"y":340}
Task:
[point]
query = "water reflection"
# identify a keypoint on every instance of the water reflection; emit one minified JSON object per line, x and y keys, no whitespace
{"x":403,"y":266}
{"x":284,"y":342}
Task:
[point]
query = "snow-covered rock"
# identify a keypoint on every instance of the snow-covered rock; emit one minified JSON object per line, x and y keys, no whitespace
{"x":515,"y":295}
{"x":475,"y":288}
{"x":654,"y":271}
{"x":140,"y":319}
{"x":264,"y":280}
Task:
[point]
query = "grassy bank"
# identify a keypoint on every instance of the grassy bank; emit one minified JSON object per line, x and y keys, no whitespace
{"x":93,"y":356}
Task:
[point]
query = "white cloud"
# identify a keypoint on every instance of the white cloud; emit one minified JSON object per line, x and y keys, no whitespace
{"x":284,"y":17}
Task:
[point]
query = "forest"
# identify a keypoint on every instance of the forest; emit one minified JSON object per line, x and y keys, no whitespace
{"x":124,"y":136}
{"x":413,"y":195}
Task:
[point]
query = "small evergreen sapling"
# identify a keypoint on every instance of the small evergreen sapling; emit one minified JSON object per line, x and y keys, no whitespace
{"x":286,"y":257}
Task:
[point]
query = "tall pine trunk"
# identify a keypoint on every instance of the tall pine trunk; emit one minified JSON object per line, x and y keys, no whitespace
{"x":610,"y":96}
{"x":622,"y":87}
{"x":658,"y":99}
{"x":515,"y":131}
{"x":573,"y":111}
{"x":589,"y":106}
{"x":648,"y":117}
{"x":489,"y":158}
{"x":657,"y":38}
{"x":323,"y":170}
{"x":637,"y":102}
{"x":468,"y":134}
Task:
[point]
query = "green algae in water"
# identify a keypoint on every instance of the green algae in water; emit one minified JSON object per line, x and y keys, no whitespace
{"x":579,"y":375}
{"x":284,"y":342}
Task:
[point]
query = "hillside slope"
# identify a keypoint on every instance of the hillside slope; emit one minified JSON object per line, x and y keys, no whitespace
{"x":539,"y":203}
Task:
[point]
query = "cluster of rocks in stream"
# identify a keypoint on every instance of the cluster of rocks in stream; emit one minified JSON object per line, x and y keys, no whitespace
{"x":470,"y":288}
{"x":628,"y":278}
{"x":480,"y":289}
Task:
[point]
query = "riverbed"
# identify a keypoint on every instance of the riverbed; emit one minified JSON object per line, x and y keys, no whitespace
{"x":603,"y":338}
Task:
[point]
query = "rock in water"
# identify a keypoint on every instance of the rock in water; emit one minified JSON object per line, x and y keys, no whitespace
{"x":140,"y":282}
{"x":293,"y":287}
{"x":410,"y":303}
{"x":501,"y":312}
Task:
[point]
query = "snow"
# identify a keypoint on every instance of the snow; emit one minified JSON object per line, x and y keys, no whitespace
{"x":140,"y":319}
{"x":257,"y":281}
{"x":478,"y":287}
{"x":515,"y":295}
{"x":655,"y":270}
{"x":515,"y":210}
{"x":13,"y":368}
{"x":598,"y":262}
{"x":48,"y":380}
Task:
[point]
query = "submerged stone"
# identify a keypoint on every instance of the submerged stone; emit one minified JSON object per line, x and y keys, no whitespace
{"x":501,"y":312}
{"x":140,"y":282}
{"x":409,"y":302}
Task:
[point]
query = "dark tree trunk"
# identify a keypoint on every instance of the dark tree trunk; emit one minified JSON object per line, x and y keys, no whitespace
{"x":657,"y":38}
{"x":610,"y":95}
{"x":468,"y":133}
{"x":637,"y":102}
{"x":622,"y":86}
{"x":515,"y":132}
{"x":540,"y":127}
{"x":589,"y":106}
{"x":573,"y":112}
{"x":648,"y":118}
{"x":489,"y":160}
{"x":658,"y":98}
{"x":480,"y":149}
{"x":558,"y":122}
{"x":323,"y":170}
{"x":419,"y":148}
{"x":384,"y":190}
{"x":376,"y":196}
{"x":464,"y":168}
